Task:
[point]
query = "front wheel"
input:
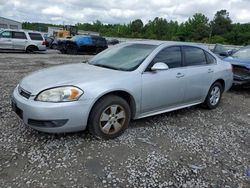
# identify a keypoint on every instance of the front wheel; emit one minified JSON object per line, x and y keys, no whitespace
{"x":109,"y":118}
{"x":214,"y":96}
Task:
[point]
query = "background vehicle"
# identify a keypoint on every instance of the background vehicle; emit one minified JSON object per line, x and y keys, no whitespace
{"x":68,"y":31}
{"x":51,"y":42}
{"x":222,"y":52}
{"x":240,"y":61}
{"x":128,"y":81}
{"x":113,"y":42}
{"x":82,"y":43}
{"x":21,"y":40}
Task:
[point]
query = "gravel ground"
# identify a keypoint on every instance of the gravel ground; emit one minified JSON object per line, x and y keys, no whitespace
{"x":192,"y":147}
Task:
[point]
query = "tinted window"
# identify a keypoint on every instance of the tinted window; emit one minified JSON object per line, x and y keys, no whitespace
{"x":99,"y":41}
{"x":35,"y":36}
{"x":6,"y":34}
{"x":171,"y":56}
{"x":210,"y":58}
{"x":19,"y":35}
{"x":194,"y":56}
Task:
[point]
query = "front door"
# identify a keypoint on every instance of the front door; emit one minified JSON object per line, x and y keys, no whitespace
{"x":6,"y":40}
{"x":164,"y":89}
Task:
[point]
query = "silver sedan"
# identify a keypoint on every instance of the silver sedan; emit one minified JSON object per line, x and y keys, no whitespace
{"x":128,"y":81}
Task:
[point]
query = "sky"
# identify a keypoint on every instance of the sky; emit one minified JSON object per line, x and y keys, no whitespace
{"x":119,"y":11}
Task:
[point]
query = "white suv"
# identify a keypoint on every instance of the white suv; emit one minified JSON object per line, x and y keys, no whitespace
{"x":21,"y":40}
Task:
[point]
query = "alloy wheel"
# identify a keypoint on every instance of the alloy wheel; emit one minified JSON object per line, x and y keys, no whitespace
{"x":112,"y":119}
{"x":215,"y":95}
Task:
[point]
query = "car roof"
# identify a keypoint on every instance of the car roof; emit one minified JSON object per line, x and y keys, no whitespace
{"x":21,"y":30}
{"x":168,"y":43}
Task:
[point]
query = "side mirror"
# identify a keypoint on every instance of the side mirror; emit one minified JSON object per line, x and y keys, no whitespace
{"x":159,"y":66}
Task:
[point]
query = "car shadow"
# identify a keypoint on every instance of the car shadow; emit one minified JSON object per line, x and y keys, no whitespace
{"x":144,"y":122}
{"x":239,"y":90}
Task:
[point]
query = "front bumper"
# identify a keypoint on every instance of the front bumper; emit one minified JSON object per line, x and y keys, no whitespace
{"x":52,"y":117}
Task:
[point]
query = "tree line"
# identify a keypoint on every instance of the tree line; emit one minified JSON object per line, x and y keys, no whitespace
{"x":197,"y":28}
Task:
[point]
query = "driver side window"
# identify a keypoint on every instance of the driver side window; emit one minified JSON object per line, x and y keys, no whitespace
{"x":5,"y":34}
{"x":170,"y":56}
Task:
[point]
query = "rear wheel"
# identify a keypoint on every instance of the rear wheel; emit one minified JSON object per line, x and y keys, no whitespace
{"x":54,"y":46}
{"x":31,"y":49}
{"x":98,"y":50}
{"x":109,"y":118}
{"x":214,"y":96}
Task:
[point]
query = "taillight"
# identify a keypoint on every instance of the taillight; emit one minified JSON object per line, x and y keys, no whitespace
{"x":44,"y":43}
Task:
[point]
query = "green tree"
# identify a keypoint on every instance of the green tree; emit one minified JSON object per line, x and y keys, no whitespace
{"x":221,"y":23}
{"x":136,"y":27}
{"x":197,"y":27}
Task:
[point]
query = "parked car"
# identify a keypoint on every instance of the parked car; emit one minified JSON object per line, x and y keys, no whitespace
{"x":51,"y":42}
{"x":82,"y":43}
{"x":240,"y":61}
{"x":113,"y":42}
{"x":21,"y":40}
{"x":128,"y":81}
{"x":221,"y":51}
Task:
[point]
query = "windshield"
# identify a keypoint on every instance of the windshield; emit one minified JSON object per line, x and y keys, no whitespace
{"x":126,"y":57}
{"x":243,"y":53}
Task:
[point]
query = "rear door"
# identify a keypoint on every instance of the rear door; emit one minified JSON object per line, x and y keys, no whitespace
{"x":199,"y":73}
{"x":19,"y":40}
{"x":6,"y":40}
{"x":165,"y":88}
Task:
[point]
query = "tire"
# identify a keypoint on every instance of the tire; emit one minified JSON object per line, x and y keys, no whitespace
{"x":214,"y":96}
{"x":71,"y":50}
{"x":63,"y":51}
{"x":109,"y":117}
{"x":31,"y":49}
{"x":98,"y":50}
{"x":54,"y":46}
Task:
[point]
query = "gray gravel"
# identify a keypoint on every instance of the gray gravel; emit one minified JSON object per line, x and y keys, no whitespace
{"x":192,"y":147}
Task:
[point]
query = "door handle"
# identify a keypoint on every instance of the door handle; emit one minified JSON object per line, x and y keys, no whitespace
{"x":210,"y":70}
{"x":179,"y":75}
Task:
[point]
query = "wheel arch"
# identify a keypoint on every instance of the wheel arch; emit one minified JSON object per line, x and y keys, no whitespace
{"x":120,"y":93}
{"x":33,"y":46}
{"x":222,"y":82}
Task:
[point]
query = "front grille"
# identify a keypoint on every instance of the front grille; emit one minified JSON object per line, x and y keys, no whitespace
{"x":24,"y":93}
{"x":241,"y":71}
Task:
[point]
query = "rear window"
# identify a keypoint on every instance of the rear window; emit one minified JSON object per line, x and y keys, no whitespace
{"x":19,"y":35}
{"x":210,"y":58}
{"x":99,"y":41}
{"x":194,"y":56}
{"x":35,"y":36}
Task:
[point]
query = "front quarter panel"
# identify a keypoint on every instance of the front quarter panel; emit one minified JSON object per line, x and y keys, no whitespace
{"x":129,"y":82}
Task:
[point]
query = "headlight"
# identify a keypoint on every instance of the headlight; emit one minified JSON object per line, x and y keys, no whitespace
{"x":60,"y":94}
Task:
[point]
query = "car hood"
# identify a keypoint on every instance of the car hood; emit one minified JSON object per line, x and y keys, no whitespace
{"x":65,"y":75}
{"x":237,"y":61}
